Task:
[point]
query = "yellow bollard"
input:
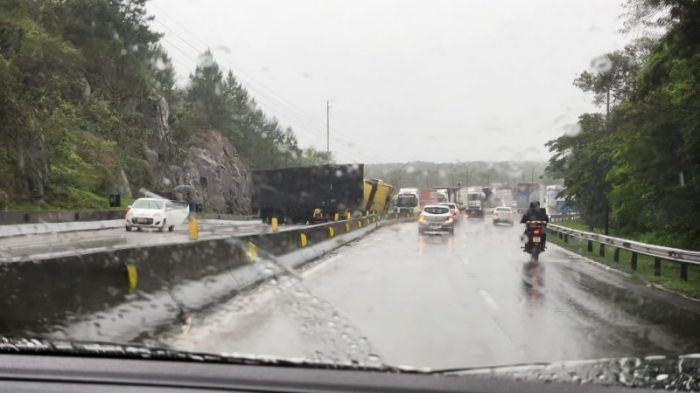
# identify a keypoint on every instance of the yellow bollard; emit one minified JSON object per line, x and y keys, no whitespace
{"x":347,"y":227}
{"x":193,"y":228}
{"x":274,"y":224}
{"x":348,"y":215}
{"x":359,"y":223}
{"x":337,"y":216}
{"x":302,"y":239}
{"x":252,"y":251}
{"x":331,"y":232}
{"x":133,"y":276}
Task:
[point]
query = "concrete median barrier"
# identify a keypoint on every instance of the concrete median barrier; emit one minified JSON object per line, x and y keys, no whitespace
{"x":110,"y":287}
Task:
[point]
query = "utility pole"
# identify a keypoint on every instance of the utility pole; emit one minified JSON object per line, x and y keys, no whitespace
{"x":328,"y":127}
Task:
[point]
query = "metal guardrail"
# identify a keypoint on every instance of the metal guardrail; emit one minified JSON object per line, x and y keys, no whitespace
{"x":16,"y":217}
{"x":659,"y":253}
{"x":563,"y":217}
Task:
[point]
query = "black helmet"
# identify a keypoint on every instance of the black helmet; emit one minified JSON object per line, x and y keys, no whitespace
{"x":533,"y":205}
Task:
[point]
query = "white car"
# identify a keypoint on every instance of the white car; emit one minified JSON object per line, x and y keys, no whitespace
{"x":156,"y":213}
{"x":503,"y":214}
{"x":436,"y":219}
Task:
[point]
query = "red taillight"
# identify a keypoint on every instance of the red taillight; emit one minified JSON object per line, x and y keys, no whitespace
{"x":536,"y":231}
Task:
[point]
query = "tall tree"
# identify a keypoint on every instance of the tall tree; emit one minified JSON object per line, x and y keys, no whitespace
{"x":613,"y":74}
{"x":583,"y":161}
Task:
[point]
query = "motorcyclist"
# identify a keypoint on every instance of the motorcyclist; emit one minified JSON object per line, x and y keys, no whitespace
{"x":530,"y":214}
{"x":534,"y":213}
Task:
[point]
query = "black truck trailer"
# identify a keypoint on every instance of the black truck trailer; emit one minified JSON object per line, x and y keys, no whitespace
{"x":307,"y":194}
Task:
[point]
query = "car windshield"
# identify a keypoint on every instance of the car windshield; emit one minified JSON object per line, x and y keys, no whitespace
{"x":302,"y":151}
{"x":436,"y":210}
{"x":147,"y":204}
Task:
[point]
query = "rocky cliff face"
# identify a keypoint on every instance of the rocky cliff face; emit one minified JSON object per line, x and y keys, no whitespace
{"x":209,"y":170}
{"x":213,"y":167}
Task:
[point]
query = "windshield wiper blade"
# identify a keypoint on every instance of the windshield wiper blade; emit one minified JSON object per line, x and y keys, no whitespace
{"x":42,"y":346}
{"x":479,"y":369}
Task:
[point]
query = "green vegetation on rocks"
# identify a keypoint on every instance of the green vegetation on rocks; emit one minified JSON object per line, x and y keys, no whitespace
{"x":89,"y":107}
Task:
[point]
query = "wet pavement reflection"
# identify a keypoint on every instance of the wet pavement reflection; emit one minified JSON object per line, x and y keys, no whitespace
{"x":395,"y":296}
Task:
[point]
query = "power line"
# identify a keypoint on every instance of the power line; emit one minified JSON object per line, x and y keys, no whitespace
{"x":297,"y":117}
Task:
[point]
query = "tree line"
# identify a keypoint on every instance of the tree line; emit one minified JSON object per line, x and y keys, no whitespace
{"x":634,"y":170}
{"x":80,"y":84}
{"x":420,"y":174}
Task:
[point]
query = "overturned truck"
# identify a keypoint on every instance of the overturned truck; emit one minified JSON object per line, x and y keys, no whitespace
{"x":316,"y":193}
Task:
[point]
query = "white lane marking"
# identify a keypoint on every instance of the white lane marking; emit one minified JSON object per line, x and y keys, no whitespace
{"x":489,"y":300}
{"x":320,"y":265}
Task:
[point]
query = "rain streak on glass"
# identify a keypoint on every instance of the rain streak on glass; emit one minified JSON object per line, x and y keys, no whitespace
{"x":441,"y":185}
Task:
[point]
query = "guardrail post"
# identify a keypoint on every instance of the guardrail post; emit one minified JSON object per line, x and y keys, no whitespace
{"x":566,"y":238}
{"x":633,"y":263}
{"x":193,"y":229}
{"x":684,"y":271}
{"x":590,"y":246}
{"x":601,"y":250}
{"x":657,"y":266}
{"x":616,"y":255}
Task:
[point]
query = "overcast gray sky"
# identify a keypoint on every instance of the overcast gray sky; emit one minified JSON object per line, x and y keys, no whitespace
{"x":433,"y":80}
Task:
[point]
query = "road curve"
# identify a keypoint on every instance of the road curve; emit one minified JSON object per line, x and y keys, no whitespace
{"x":441,"y":301}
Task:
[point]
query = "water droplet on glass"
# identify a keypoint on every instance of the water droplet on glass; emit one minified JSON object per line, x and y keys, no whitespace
{"x":571,"y":130}
{"x":374,"y":359}
{"x":601,"y":64}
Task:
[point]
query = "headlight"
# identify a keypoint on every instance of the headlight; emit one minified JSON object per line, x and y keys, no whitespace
{"x":157,"y":216}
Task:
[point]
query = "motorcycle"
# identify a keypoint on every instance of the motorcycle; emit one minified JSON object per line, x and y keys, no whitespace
{"x":535,"y":234}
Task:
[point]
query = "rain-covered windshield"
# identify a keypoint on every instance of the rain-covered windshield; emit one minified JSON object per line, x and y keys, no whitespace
{"x":301,"y":149}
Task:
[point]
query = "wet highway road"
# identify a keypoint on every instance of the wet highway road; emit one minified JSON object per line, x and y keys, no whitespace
{"x":47,"y":245}
{"x":439,"y":301}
